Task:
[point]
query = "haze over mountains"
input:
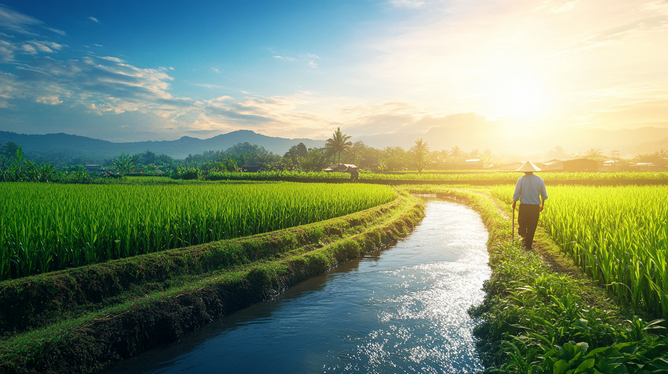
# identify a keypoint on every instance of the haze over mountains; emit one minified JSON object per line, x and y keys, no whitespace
{"x":467,"y":131}
{"x":95,"y":149}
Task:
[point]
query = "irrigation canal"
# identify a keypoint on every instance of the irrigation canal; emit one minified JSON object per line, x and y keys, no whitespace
{"x":400,"y":310}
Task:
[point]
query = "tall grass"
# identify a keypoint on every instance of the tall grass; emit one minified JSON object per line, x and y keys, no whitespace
{"x":618,"y":235}
{"x":44,"y":227}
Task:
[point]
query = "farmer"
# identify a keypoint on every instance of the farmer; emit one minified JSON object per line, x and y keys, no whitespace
{"x":530,"y":191}
{"x":354,"y":174}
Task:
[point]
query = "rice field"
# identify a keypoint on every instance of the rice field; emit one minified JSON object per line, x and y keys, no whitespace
{"x":481,"y":176}
{"x":44,"y":227}
{"x":618,"y":235}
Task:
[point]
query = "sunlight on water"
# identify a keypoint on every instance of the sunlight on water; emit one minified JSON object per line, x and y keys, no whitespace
{"x":402,"y":310}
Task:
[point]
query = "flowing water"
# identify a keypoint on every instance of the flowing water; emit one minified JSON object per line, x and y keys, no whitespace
{"x":399,"y":310}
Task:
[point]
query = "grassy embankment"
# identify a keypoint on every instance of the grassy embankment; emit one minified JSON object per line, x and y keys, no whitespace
{"x":82,"y":319}
{"x":542,"y":315}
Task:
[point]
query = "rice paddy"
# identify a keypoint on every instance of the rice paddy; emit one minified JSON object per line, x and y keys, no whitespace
{"x":45,"y":227}
{"x":618,"y":235}
{"x":482,"y":175}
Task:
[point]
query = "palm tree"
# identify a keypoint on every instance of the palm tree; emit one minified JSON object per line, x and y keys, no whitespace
{"x":594,"y":153}
{"x":456,"y":153}
{"x":338,"y":143}
{"x":420,"y":154}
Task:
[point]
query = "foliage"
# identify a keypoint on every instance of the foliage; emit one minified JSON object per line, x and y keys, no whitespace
{"x":420,"y":153}
{"x":45,"y":227}
{"x":20,"y":169}
{"x":315,"y":160}
{"x":618,"y":235}
{"x":540,"y":325}
{"x":338,"y":143}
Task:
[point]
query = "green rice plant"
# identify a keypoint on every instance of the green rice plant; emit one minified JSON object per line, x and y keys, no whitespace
{"x":44,"y":227}
{"x":482,"y":175}
{"x":618,"y":235}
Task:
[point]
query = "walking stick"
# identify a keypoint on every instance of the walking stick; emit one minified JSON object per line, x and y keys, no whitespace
{"x":513,"y":223}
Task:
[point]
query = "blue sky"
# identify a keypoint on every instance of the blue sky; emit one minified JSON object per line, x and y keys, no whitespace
{"x":155,"y":70}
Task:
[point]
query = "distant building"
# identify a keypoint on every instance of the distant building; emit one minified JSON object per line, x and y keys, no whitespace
{"x":647,"y":166}
{"x":574,"y":165}
{"x":252,"y":167}
{"x":474,"y":163}
{"x":339,"y":168}
{"x":94,"y":169}
{"x":510,"y":166}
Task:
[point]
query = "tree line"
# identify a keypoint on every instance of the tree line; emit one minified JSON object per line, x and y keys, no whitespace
{"x":338,"y":149}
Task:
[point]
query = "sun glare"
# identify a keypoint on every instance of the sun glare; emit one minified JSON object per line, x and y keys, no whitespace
{"x":518,"y":96}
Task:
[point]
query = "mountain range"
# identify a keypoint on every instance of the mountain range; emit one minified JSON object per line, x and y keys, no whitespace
{"x":468,"y":131}
{"x":94,"y":150}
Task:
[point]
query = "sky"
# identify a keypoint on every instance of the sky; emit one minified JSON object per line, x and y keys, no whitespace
{"x":159,"y":70}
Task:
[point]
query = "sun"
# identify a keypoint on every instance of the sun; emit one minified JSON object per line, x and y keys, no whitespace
{"x":518,"y":96}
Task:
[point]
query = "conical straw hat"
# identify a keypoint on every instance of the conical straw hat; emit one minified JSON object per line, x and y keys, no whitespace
{"x":528,"y":167}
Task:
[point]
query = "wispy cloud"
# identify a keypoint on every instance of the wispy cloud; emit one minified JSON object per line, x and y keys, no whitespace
{"x":17,"y":22}
{"x":285,"y":58}
{"x":7,"y":50}
{"x":112,"y":59}
{"x":207,"y":85}
{"x":307,"y":58}
{"x":93,"y":19}
{"x":21,"y":23}
{"x":412,"y":4}
{"x":660,"y":6}
{"x":611,"y":37}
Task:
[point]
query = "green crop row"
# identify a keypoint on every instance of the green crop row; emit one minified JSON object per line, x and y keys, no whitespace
{"x":44,"y":227}
{"x":482,"y":176}
{"x":618,"y":235}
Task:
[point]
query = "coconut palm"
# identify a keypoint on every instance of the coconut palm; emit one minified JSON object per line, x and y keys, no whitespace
{"x":338,"y":143}
{"x":420,"y":154}
{"x":594,"y":153}
{"x":456,"y":153}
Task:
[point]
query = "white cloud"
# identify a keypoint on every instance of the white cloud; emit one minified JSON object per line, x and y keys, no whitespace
{"x":412,"y":4}
{"x":7,"y":50}
{"x":93,"y":19}
{"x":50,"y":100}
{"x":207,"y":85}
{"x":215,"y":70}
{"x":17,"y":22}
{"x":59,"y":32}
{"x":21,"y":23}
{"x":27,"y":48}
{"x":285,"y":58}
{"x":660,"y":6}
{"x":97,"y":45}
{"x":112,"y":59}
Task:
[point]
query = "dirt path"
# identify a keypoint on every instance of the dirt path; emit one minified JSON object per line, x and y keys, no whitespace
{"x":542,"y":244}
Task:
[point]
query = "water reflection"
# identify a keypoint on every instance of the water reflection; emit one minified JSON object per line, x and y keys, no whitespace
{"x":402,"y":310}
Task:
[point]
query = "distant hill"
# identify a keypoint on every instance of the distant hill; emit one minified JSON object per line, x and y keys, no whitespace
{"x":95,"y":150}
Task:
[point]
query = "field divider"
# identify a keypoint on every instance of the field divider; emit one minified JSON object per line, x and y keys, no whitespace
{"x":38,"y":300}
{"x":91,"y":340}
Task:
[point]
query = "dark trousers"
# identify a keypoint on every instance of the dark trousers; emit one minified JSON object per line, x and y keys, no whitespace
{"x":528,"y":221}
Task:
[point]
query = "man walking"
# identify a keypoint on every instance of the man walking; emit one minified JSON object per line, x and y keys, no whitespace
{"x":531,"y":193}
